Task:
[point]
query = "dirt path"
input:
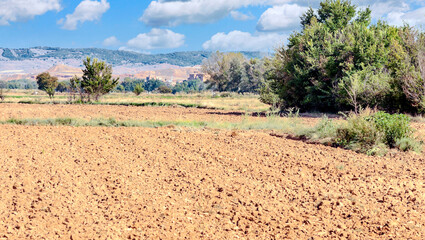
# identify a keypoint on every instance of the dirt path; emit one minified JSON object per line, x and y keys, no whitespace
{"x":135,"y":183}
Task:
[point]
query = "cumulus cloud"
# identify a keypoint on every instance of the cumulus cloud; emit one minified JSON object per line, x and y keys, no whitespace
{"x":87,"y":10}
{"x":172,"y":13}
{"x":156,"y":39}
{"x":111,"y":41}
{"x":13,"y":10}
{"x":240,"y":16}
{"x":414,"y":18}
{"x":281,"y":18}
{"x":243,"y":41}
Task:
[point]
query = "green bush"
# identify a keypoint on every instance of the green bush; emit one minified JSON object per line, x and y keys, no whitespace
{"x":368,"y":132}
{"x":164,"y":89}
{"x":393,"y":127}
{"x":138,"y":89}
{"x":358,"y":134}
{"x":409,"y":144}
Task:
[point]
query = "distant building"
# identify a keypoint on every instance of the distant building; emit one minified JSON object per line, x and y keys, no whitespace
{"x":196,"y":75}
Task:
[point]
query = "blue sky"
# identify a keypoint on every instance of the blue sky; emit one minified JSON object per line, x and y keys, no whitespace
{"x":171,"y":25}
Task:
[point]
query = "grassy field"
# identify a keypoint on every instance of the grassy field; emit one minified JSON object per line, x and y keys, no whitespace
{"x":237,"y":102}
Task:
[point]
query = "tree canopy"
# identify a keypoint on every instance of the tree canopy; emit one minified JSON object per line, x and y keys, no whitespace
{"x":341,"y":61}
{"x":47,"y":83}
{"x":96,"y":80}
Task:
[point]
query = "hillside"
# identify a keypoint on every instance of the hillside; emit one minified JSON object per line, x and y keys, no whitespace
{"x":114,"y":57}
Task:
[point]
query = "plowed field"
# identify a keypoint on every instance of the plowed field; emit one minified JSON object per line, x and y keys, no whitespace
{"x":123,"y":113}
{"x":173,"y":183}
{"x":8,"y":111}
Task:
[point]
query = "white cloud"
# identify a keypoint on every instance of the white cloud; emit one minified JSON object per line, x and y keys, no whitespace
{"x":382,"y":8}
{"x":156,"y":39}
{"x":111,"y":41}
{"x":87,"y":10}
{"x":240,"y":16}
{"x":413,"y":18}
{"x":281,"y":18}
{"x":172,"y":13}
{"x":243,"y":41}
{"x":20,"y":10}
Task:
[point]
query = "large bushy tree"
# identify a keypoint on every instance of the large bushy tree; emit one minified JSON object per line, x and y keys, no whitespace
{"x":47,"y":83}
{"x":96,"y":80}
{"x":342,"y":61}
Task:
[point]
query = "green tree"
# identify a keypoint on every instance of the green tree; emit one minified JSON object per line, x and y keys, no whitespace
{"x":62,"y":87}
{"x":138,"y":89}
{"x":189,"y":86}
{"x":164,"y":89}
{"x":341,"y":61}
{"x":2,"y":87}
{"x":97,"y":79}
{"x":307,"y":17}
{"x":47,"y":83}
{"x":232,"y":72}
{"x":336,"y":14}
{"x":253,"y":76}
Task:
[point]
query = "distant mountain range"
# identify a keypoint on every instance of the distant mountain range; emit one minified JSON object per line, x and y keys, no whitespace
{"x":114,"y":57}
{"x":26,"y":63}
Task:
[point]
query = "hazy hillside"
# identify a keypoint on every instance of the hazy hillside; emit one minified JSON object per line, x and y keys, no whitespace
{"x":114,"y":57}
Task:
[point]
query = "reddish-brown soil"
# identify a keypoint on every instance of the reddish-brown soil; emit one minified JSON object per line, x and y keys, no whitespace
{"x":136,"y":183}
{"x":88,"y":112}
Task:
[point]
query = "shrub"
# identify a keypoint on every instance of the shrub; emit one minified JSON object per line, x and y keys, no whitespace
{"x":393,"y":127}
{"x":359,"y":133}
{"x":138,"y":89}
{"x":164,"y":89}
{"x":368,"y":132}
{"x":374,"y":133}
{"x":226,"y":95}
{"x":409,"y":144}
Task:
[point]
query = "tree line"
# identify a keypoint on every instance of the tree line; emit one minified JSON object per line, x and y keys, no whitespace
{"x":338,"y":61}
{"x":97,"y":81}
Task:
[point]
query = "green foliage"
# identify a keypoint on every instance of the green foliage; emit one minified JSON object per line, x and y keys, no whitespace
{"x":359,"y":133}
{"x":21,"y":84}
{"x":393,"y":127}
{"x":96,"y":81}
{"x":62,"y":87}
{"x":189,"y":86}
{"x":47,"y":83}
{"x":336,"y":14}
{"x":366,"y":132}
{"x":138,"y":89}
{"x":340,"y":61}
{"x":232,"y":72}
{"x":307,"y":17}
{"x":409,"y":144}
{"x":368,"y":86}
{"x":164,"y":89}
{"x":152,"y":84}
{"x":2,"y":87}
